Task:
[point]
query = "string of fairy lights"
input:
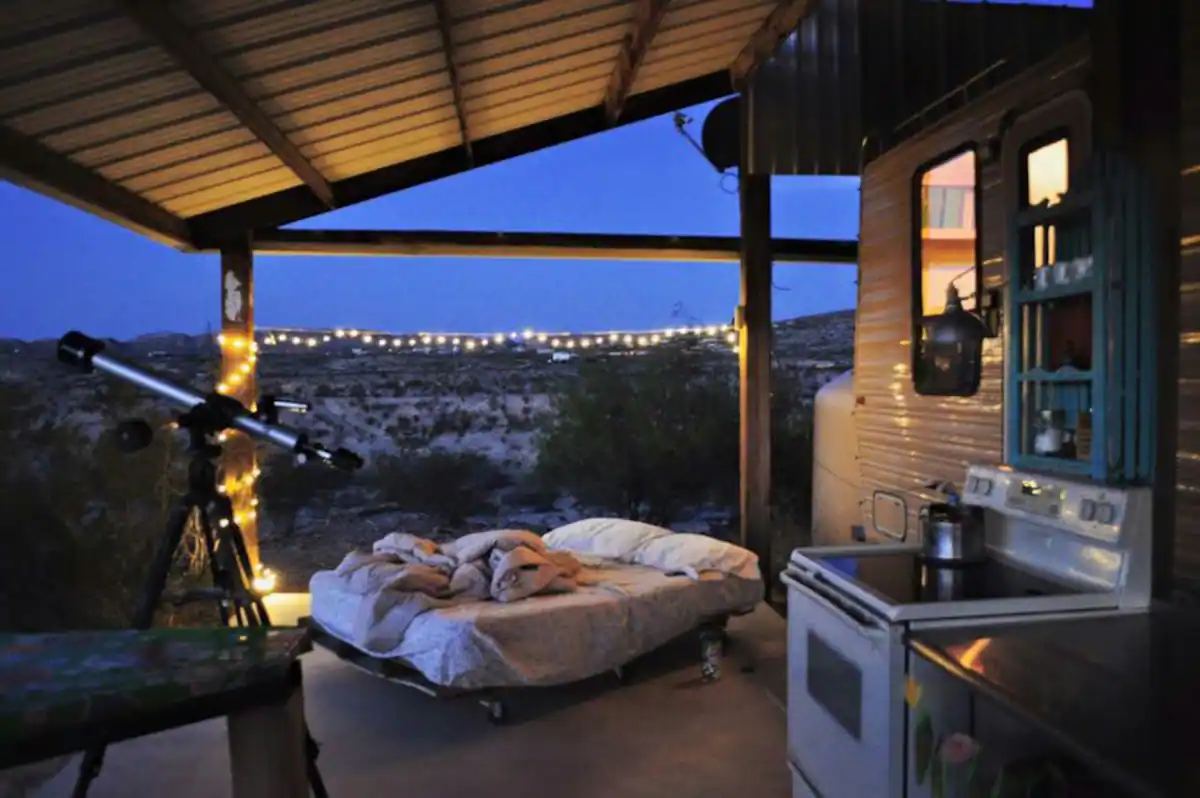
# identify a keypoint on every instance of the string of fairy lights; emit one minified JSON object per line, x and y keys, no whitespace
{"x":483,"y":342}
{"x":240,"y":353}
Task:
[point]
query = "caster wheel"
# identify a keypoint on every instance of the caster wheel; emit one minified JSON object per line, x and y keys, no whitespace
{"x":497,"y":713}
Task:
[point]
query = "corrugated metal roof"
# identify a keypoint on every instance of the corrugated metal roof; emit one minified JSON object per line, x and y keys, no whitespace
{"x":355,"y":85}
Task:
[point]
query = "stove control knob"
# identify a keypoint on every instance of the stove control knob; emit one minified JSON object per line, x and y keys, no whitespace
{"x":1087,"y":510}
{"x":1106,"y":513}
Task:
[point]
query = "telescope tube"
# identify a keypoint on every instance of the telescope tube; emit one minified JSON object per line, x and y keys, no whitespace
{"x":87,"y":354}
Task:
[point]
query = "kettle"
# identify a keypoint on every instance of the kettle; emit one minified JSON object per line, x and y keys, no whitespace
{"x":950,"y":533}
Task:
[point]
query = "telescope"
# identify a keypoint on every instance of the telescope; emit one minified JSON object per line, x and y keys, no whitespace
{"x":219,"y":412}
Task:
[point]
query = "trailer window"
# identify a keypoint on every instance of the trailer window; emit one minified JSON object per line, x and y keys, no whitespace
{"x":1046,"y":180}
{"x":948,"y":235}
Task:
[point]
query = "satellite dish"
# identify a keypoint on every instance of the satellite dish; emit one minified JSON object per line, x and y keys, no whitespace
{"x":720,"y":137}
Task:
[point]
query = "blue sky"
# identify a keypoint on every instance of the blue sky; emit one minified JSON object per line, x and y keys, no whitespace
{"x":70,"y":270}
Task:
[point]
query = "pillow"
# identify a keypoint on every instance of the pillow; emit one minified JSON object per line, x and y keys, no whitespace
{"x":611,"y":538}
{"x":696,"y":555}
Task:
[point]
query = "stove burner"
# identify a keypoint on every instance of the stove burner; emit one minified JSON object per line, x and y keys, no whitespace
{"x":908,"y":579}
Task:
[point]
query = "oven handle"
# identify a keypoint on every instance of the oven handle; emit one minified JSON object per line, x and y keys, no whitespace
{"x":857,"y":619}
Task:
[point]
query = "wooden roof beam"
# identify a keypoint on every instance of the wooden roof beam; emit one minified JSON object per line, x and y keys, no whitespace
{"x":30,"y":163}
{"x":766,"y":40}
{"x":567,"y":246}
{"x":647,"y":16}
{"x":293,"y":204}
{"x":156,"y":19}
{"x":445,"y":30}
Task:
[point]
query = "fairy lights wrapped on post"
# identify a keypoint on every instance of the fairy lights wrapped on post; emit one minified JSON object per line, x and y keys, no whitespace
{"x":239,"y":379}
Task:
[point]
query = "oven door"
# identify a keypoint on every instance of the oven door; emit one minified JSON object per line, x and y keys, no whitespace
{"x":845,"y":693}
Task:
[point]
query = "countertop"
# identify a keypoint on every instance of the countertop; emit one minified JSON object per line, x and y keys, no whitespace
{"x":1121,"y":693}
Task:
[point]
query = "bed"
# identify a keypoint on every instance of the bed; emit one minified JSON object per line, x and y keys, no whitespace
{"x":642,"y":590}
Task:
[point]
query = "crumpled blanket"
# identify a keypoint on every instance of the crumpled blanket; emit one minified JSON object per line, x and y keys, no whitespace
{"x":404,"y":575}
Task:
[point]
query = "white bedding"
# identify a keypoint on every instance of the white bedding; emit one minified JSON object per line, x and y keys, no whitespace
{"x":623,"y":612}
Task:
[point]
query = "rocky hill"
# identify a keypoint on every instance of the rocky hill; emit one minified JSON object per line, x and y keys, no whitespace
{"x":384,"y":401}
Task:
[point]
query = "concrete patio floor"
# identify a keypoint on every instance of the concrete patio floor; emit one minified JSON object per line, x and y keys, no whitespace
{"x":663,"y":734}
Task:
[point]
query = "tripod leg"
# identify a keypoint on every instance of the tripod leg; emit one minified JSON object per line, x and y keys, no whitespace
{"x":236,"y":572}
{"x":242,"y":565}
{"x":143,"y":617}
{"x":210,"y":549}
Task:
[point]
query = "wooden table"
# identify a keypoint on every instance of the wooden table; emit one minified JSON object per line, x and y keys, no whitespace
{"x":61,"y":693}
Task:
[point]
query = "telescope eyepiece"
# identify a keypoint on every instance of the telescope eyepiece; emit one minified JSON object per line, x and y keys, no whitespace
{"x":76,"y":349}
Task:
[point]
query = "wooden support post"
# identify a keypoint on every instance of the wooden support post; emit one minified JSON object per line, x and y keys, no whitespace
{"x":1136,"y":53}
{"x":754,"y":359}
{"x":238,"y":378}
{"x":267,"y":749}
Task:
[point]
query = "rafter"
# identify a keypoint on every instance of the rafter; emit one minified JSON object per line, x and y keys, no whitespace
{"x":296,"y":203}
{"x":29,"y":163}
{"x":577,"y":246}
{"x":766,"y":40}
{"x":445,"y":29}
{"x":155,"y":19}
{"x":647,"y":16}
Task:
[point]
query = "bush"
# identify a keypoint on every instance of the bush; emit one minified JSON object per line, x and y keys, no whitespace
{"x":448,"y":486}
{"x":644,"y":439}
{"x":80,"y":520}
{"x":791,"y":451}
{"x":285,"y":488}
{"x":650,"y":439}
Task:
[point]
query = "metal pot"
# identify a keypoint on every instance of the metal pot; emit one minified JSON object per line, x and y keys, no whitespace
{"x":951,"y":535}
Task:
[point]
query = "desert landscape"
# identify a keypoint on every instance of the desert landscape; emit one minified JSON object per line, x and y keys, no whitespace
{"x":451,"y":437}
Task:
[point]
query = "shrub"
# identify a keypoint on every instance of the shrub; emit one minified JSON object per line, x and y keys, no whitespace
{"x":791,"y":450}
{"x":285,"y":488}
{"x":449,"y":486}
{"x":80,"y":520}
{"x":644,"y":439}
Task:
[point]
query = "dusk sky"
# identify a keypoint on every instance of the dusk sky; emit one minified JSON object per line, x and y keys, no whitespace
{"x":66,"y":269}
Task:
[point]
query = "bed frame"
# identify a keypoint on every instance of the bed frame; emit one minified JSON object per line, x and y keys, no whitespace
{"x":711,"y":634}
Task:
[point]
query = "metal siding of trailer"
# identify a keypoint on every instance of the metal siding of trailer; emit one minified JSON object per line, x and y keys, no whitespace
{"x":1187,"y":512}
{"x":906,"y":440}
{"x":803,"y":102}
{"x":857,"y":78}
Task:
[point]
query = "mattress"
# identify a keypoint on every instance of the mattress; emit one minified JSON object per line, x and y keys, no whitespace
{"x":622,"y":612}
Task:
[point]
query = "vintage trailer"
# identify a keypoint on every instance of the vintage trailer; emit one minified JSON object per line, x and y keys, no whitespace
{"x":951,"y":187}
{"x":912,"y":234}
{"x":1025,"y":329}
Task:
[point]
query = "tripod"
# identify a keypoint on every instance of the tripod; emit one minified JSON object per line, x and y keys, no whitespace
{"x":228,"y":561}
